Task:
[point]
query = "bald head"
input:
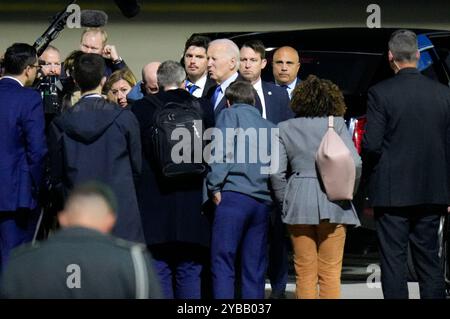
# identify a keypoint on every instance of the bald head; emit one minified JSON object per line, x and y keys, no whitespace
{"x":89,"y":206}
{"x":50,"y":60}
{"x":285,"y":65}
{"x":223,"y":59}
{"x":149,"y":78}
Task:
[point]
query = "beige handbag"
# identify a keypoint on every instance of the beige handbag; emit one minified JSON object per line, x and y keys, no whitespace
{"x":336,"y":166}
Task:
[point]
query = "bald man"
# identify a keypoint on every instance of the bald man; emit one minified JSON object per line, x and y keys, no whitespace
{"x":285,"y":67}
{"x":149,"y":83}
{"x":82,"y":260}
{"x":223,"y":66}
{"x":50,"y":60}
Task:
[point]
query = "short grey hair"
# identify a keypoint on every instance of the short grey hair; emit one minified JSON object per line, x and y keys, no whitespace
{"x":403,"y":45}
{"x":170,"y":73}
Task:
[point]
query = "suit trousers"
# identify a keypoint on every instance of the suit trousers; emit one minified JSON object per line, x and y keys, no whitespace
{"x":418,"y":226}
{"x":240,"y":224}
{"x":318,"y":254}
{"x":179,"y":267}
{"x":16,"y":228}
{"x":278,"y":255}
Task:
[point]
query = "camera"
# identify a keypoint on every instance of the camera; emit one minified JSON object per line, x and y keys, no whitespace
{"x":51,"y":92}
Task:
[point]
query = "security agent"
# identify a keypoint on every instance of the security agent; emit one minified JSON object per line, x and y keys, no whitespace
{"x":82,"y":260}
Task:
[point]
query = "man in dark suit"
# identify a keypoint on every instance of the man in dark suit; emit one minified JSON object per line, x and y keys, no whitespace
{"x":406,"y":155}
{"x":176,"y":231}
{"x":273,"y":100}
{"x":81,"y":260}
{"x":223,"y":66}
{"x":274,"y":104}
{"x":22,"y":148}
{"x":196,"y":66}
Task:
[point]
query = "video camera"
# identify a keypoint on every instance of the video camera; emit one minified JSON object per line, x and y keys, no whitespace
{"x":51,"y":92}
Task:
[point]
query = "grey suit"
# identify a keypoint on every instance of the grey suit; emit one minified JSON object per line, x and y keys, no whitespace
{"x":304,"y":200}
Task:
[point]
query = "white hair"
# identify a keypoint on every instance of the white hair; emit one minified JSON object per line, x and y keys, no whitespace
{"x":230,"y":47}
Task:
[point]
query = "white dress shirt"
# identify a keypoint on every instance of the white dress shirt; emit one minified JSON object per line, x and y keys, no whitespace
{"x":258,"y":87}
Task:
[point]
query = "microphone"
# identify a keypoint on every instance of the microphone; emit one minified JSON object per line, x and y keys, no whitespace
{"x":129,"y":8}
{"x":93,"y":18}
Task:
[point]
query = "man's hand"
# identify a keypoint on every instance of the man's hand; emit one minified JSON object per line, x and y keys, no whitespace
{"x":217,"y":197}
{"x":110,"y":52}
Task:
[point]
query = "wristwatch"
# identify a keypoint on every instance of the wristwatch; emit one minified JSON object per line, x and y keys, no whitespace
{"x":119,"y":60}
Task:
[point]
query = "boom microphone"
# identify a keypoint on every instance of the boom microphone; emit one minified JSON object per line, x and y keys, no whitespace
{"x":129,"y":8}
{"x":93,"y":18}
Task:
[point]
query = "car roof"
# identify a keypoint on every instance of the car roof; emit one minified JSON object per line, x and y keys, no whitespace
{"x":327,"y":39}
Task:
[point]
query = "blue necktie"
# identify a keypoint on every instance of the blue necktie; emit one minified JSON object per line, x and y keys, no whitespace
{"x":216,"y":94}
{"x":191,"y":87}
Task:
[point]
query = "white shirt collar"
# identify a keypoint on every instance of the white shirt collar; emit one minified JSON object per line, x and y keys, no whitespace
{"x":258,"y":87}
{"x":201,"y":86}
{"x":12,"y":78}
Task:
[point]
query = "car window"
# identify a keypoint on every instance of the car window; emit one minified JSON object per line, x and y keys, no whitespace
{"x":430,"y":66}
{"x":442,"y":47}
{"x":352,"y":72}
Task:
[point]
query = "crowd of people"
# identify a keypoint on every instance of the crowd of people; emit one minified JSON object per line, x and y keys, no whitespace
{"x":218,"y":233}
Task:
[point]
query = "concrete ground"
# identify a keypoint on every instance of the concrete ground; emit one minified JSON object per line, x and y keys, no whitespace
{"x":353,"y":290}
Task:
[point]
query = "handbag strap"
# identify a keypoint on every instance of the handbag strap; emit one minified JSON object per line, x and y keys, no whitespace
{"x":330,"y":121}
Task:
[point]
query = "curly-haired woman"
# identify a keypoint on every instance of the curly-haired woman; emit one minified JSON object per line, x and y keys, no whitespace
{"x":317,"y":226}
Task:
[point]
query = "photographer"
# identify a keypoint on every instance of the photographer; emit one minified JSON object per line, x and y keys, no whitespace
{"x":50,"y":60}
{"x":48,"y":82}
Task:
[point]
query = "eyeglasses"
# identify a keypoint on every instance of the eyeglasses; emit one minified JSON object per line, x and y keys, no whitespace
{"x":37,"y":66}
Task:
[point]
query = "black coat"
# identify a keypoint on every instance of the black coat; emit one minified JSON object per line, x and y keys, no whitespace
{"x":405,"y":145}
{"x":106,"y":268}
{"x":98,"y":140}
{"x":171,"y":209}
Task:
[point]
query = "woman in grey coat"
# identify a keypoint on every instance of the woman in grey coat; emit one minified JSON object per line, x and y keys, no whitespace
{"x":316,"y":225}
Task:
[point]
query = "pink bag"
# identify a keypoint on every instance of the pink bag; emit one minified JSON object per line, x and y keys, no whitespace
{"x":336,"y":166}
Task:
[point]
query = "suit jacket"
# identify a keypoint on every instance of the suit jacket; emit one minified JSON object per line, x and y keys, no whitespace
{"x":106,"y":268}
{"x":22,"y":145}
{"x":223,"y":102}
{"x":406,"y":147}
{"x":171,"y":208}
{"x":302,"y":196}
{"x":208,"y":85}
{"x":277,"y":103}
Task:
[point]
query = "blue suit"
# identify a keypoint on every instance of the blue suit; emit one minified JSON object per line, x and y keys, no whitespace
{"x":277,"y":103}
{"x":22,"y":150}
{"x":277,"y":110}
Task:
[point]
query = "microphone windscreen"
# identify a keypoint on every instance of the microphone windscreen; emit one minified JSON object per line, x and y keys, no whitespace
{"x":93,"y":18}
{"x":129,"y":8}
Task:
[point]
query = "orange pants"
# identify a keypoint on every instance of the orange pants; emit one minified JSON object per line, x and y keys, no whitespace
{"x":318,"y":253}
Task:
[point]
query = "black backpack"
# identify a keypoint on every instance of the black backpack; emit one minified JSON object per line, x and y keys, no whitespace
{"x":185,"y":116}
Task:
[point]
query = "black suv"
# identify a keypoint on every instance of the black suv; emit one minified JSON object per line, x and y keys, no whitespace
{"x":355,"y":59}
